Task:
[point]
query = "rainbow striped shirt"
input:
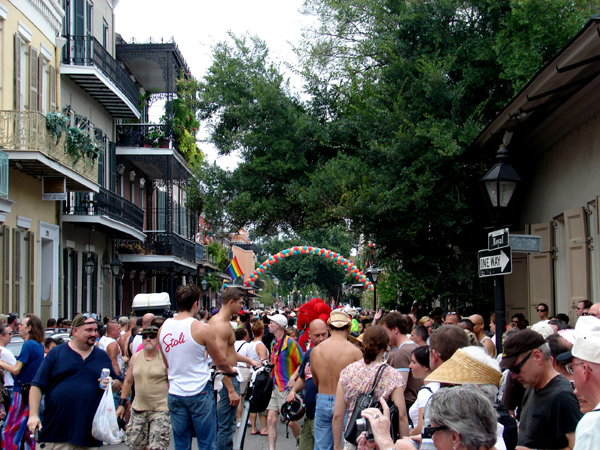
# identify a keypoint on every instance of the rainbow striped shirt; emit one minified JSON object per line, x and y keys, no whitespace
{"x":286,"y":356}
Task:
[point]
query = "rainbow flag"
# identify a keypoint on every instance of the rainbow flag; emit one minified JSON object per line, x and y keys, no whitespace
{"x":234,"y":269}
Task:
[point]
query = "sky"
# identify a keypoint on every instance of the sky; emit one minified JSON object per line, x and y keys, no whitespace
{"x":197,"y":25}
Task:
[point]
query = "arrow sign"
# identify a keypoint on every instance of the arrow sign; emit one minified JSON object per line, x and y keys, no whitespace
{"x":495,"y":262}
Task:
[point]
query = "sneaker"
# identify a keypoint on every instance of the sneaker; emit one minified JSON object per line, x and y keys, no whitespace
{"x":238,"y":424}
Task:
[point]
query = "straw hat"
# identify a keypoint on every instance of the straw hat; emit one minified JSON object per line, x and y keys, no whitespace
{"x":358,"y":339}
{"x":462,"y":369}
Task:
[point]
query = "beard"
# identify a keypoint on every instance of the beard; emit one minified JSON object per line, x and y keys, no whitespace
{"x":90,"y":341}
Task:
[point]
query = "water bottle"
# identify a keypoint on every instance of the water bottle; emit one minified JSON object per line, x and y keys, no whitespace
{"x":105,"y":373}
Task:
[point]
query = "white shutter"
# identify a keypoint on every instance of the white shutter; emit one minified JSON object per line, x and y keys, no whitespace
{"x":52,"y":71}
{"x":541,"y":269}
{"x":578,"y":263}
{"x":41,"y":78}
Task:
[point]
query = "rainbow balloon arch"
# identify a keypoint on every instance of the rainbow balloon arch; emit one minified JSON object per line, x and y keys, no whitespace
{"x":323,"y":252}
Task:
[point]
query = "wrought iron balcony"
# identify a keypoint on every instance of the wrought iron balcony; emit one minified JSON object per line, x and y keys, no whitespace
{"x":143,"y":135}
{"x":108,"y":204}
{"x":160,"y":243}
{"x":31,"y":149}
{"x":90,"y":65}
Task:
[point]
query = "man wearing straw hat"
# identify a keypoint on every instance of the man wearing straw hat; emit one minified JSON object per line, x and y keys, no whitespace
{"x":550,"y":410}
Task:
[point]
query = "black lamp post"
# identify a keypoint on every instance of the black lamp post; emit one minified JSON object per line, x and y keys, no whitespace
{"x":116,"y":266}
{"x":204,"y":285}
{"x":373,"y":273}
{"x":498,"y":186}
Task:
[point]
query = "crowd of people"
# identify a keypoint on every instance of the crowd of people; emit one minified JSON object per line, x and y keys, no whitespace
{"x":434,"y":381}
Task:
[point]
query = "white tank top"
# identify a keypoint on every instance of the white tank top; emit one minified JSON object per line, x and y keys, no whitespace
{"x":188,"y":364}
{"x":103,"y":344}
{"x":251,"y":353}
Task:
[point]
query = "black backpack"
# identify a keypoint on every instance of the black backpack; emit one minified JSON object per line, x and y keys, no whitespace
{"x":259,"y":394}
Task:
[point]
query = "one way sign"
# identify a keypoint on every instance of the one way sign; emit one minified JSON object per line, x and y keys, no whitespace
{"x":495,"y":262}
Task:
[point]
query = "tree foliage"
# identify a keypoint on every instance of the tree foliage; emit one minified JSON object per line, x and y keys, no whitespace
{"x":395,"y":93}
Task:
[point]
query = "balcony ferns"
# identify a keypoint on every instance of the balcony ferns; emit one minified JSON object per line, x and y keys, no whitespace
{"x":78,"y":142}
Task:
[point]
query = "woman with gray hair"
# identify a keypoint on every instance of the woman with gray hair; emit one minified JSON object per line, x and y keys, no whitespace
{"x":462,"y":418}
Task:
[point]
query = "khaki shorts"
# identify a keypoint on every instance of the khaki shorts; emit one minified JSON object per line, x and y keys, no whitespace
{"x":150,"y":429}
{"x":278,"y":398}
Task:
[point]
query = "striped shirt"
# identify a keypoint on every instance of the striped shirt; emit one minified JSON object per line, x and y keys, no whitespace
{"x":286,"y":356}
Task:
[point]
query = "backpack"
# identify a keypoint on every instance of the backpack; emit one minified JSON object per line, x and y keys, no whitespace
{"x":259,"y":393}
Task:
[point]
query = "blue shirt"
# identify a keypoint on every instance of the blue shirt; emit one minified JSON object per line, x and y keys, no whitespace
{"x":32,"y":355}
{"x":310,"y":389}
{"x":70,"y":384}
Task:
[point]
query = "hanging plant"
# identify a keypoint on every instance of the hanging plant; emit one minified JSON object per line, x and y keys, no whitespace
{"x":78,"y":143}
{"x":56,"y":124}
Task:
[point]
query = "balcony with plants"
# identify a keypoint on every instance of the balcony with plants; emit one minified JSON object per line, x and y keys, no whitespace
{"x":52,"y":145}
{"x":91,"y":66}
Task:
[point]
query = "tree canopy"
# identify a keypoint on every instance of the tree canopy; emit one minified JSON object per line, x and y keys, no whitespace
{"x":378,"y":142}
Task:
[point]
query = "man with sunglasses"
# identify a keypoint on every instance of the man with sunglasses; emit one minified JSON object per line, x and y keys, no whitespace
{"x":550,"y":410}
{"x":150,"y":425}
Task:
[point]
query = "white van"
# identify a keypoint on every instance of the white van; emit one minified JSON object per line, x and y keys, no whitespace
{"x":156,"y":303}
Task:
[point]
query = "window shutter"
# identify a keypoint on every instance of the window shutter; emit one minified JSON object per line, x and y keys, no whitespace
{"x":577,"y":255}
{"x":66,"y":282}
{"x":17,"y":93}
{"x":16,"y":270}
{"x":6,"y":268}
{"x":541,"y":268}
{"x":41,"y":78}
{"x":33,"y":79}
{"x":52,"y":71}
{"x":515,"y":286}
{"x":74,"y":293}
{"x":31,"y":272}
{"x":84,"y":283}
{"x":112,"y":164}
{"x":94,"y":305}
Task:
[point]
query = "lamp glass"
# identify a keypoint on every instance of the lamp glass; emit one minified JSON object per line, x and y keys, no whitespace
{"x":106,"y":270}
{"x":89,"y":266}
{"x":204,"y":284}
{"x":116,"y":266}
{"x":374,"y":275}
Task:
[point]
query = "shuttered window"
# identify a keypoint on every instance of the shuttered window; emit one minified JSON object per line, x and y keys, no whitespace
{"x":52,"y":73}
{"x":6,"y":268}
{"x":31,"y":273}
{"x":577,"y":255}
{"x":19,"y":62}
{"x":17,"y":268}
{"x":33,"y":79}
{"x":541,"y":269}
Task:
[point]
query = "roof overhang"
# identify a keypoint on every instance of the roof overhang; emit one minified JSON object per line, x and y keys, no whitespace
{"x":119,"y":229}
{"x":39,"y":165}
{"x":140,"y":156}
{"x":561,"y":96}
{"x":94,"y":82}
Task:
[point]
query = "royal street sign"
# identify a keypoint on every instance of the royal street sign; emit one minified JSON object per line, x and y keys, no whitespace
{"x":498,"y":239}
{"x":495,"y":262}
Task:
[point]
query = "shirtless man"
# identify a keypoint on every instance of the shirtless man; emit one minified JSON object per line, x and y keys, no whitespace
{"x":229,"y":396}
{"x":478,"y":330}
{"x":124,"y":339}
{"x":327,"y":362}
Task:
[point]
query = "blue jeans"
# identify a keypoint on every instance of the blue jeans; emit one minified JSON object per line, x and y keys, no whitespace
{"x":226,"y":418}
{"x":197,"y":411}
{"x":323,"y":419}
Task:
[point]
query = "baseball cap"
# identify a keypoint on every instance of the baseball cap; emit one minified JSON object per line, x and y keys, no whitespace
{"x":152,"y":329}
{"x":279,"y":319}
{"x":521,"y":342}
{"x":123,"y":320}
{"x":587,"y":330}
{"x":338,"y":319}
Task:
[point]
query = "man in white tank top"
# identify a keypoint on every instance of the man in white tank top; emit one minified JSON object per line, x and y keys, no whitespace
{"x":109,"y":344}
{"x":185,"y":343}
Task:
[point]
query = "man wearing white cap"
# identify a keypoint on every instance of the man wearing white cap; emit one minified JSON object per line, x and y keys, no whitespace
{"x":585,"y":367}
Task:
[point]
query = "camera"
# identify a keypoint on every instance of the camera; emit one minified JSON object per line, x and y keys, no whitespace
{"x":362,"y":424}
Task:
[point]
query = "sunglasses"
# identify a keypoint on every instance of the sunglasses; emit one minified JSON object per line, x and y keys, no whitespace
{"x":542,"y":310}
{"x":150,"y":336}
{"x":517,"y":369}
{"x":428,"y":432}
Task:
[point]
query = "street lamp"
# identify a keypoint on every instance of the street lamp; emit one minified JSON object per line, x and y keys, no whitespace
{"x":106,"y":269}
{"x":89,"y":266}
{"x":116,"y":266}
{"x":498,"y":186}
{"x":204,"y":285}
{"x":373,"y":273}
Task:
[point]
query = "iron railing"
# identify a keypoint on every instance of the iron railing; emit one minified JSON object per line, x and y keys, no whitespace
{"x":202,"y":255}
{"x":87,"y":51}
{"x":25,"y":131}
{"x":163,"y":243}
{"x":105,"y":203}
{"x":144,"y":135}
{"x":3,"y":174}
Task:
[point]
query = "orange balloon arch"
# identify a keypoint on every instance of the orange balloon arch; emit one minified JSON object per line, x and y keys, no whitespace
{"x":323,"y":252}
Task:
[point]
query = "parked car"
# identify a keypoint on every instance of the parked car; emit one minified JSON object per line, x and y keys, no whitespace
{"x":16,"y":342}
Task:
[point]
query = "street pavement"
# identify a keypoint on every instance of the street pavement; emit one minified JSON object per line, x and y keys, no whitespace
{"x":251,"y":442}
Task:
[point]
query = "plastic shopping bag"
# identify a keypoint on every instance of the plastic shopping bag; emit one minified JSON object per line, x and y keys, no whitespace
{"x":105,"y":427}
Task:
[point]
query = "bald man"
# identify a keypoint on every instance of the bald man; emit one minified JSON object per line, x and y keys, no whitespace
{"x":595,"y":310}
{"x":478,"y":330}
{"x":108,"y":343}
{"x":137,"y":341}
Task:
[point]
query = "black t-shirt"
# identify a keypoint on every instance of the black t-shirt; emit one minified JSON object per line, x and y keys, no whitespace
{"x":548,"y":414}
{"x":310,"y":389}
